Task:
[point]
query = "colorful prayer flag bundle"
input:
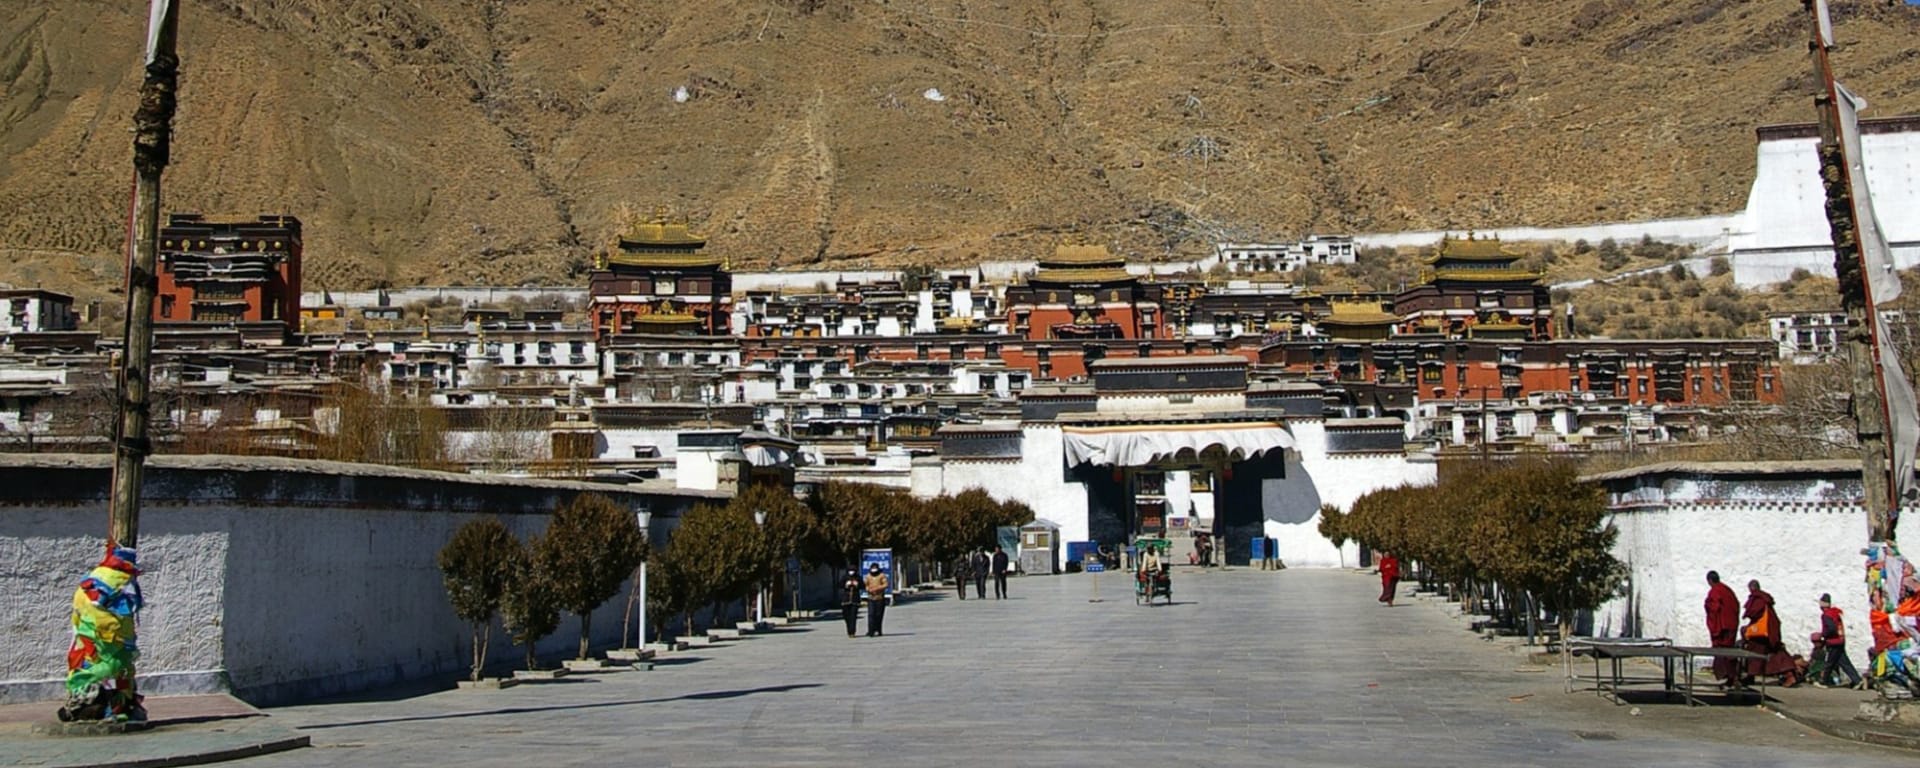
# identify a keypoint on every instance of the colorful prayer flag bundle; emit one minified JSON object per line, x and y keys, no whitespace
{"x":1894,"y":594}
{"x":100,"y":661}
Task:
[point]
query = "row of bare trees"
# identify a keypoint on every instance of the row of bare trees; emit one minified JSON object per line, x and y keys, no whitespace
{"x":1529,"y":533}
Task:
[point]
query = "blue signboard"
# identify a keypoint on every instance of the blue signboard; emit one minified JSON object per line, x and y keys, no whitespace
{"x":1259,"y":548}
{"x":1096,"y":566}
{"x":883,"y":557}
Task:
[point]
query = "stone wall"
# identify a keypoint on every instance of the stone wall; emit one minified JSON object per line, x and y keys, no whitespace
{"x":279,"y":580}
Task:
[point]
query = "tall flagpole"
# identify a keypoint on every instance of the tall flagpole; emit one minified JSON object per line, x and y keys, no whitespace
{"x":152,"y":139}
{"x":1864,"y":358}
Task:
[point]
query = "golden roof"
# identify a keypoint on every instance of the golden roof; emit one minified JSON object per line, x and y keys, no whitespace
{"x":663,"y":318}
{"x":661,"y":259}
{"x":1360,"y":318}
{"x":661,"y":232}
{"x":661,"y":243}
{"x":1084,"y":275}
{"x":1474,"y":249}
{"x":1079,"y":254}
{"x":1481,"y":275}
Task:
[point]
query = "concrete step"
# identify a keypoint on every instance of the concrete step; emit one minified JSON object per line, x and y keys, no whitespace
{"x":629,"y":655}
{"x":718,"y":633}
{"x":577,"y":666}
{"x":488,"y":684}
{"x":536,"y":675}
{"x":746,"y":627}
{"x":667,"y":647}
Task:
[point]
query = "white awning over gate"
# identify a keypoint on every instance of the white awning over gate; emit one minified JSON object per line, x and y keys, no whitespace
{"x":1142,"y":445}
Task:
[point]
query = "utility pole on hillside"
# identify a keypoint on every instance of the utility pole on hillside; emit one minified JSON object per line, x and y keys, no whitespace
{"x":1883,"y":400}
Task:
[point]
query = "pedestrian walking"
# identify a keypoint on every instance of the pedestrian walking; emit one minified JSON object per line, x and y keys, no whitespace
{"x":981,"y":565}
{"x":1389,"y":578}
{"x":1762,"y":635}
{"x":876,"y":586}
{"x":1723,"y":626}
{"x":850,"y":592}
{"x":999,"y":573}
{"x":1833,"y":647}
{"x":961,"y":575}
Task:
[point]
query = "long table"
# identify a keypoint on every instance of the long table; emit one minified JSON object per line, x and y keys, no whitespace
{"x":1610,"y":678}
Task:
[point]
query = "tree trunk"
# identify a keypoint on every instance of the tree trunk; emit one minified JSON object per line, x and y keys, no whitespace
{"x":531,"y":663}
{"x":1533,"y":612}
{"x":479,"y":650}
{"x":586,"y":634}
{"x":1566,"y":657}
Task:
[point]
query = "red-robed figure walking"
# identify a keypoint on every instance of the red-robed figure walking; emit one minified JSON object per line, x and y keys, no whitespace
{"x":1723,"y":623}
{"x":1762,"y":635}
{"x":1389,"y":577}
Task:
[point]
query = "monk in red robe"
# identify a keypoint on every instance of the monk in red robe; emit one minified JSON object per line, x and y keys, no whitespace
{"x":1389,"y":577}
{"x":1723,"y":624}
{"x":1762,"y":635}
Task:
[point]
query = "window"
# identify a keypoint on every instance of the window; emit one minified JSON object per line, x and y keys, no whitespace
{"x":166,"y":306}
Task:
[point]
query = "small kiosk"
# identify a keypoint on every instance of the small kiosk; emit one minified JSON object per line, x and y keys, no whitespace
{"x":1039,"y":548}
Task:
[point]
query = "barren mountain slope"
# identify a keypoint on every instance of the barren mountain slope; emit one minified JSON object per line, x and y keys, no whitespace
{"x":484,"y":140}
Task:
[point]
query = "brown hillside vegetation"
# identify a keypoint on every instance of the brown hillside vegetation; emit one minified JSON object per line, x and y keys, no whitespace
{"x":466,"y":141}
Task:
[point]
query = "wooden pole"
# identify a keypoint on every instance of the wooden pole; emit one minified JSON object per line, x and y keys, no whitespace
{"x":1863,"y":350}
{"x":153,"y":134}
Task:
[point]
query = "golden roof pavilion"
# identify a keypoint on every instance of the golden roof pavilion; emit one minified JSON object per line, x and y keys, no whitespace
{"x":1078,"y":263}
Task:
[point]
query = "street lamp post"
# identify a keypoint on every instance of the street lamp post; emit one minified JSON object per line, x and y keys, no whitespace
{"x":760,"y":590}
{"x":644,"y":516}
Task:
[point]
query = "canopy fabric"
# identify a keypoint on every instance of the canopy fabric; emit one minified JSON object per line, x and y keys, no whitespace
{"x":1135,"y":446}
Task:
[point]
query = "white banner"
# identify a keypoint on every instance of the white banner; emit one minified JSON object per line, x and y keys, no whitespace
{"x":156,"y":18}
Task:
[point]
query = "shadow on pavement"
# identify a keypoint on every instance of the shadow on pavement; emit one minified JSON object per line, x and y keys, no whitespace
{"x":702,"y":696}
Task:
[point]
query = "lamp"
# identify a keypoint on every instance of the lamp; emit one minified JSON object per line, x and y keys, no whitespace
{"x":760,"y":592}
{"x":644,"y":516}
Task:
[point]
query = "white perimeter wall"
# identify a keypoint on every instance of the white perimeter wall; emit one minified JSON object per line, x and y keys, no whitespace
{"x":1315,"y":478}
{"x":1798,"y":548}
{"x":1785,"y":224}
{"x":1038,"y":479}
{"x":278,"y":601}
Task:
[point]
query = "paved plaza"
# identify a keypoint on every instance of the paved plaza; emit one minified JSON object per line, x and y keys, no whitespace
{"x":1247,"y":667}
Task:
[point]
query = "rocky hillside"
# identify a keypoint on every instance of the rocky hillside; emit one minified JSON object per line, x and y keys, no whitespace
{"x":461,"y":141}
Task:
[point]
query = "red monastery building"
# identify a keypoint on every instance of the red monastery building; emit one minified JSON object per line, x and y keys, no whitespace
{"x":1472,"y":289}
{"x":1082,"y":292}
{"x":659,"y":279}
{"x":228,"y":272}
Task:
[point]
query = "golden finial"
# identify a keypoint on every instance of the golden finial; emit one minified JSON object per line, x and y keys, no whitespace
{"x":660,"y":213}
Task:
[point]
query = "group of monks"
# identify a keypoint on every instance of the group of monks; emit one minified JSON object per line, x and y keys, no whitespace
{"x":1760,"y":634}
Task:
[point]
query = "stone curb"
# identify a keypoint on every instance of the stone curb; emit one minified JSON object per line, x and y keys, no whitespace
{"x":1849,"y":730}
{"x":213,"y":756}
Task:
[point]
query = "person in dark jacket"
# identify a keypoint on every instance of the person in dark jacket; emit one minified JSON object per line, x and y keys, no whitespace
{"x":981,"y":565}
{"x":850,"y":594}
{"x":999,"y":573}
{"x":961,"y":575}
{"x":876,"y":585}
{"x":1833,"y":643}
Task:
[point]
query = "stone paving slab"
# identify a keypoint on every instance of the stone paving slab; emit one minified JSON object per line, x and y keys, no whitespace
{"x":1297,"y":667}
